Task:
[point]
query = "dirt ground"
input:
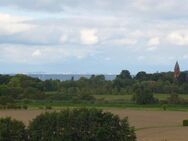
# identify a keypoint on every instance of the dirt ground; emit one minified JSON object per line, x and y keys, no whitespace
{"x":150,"y":125}
{"x":157,"y":125}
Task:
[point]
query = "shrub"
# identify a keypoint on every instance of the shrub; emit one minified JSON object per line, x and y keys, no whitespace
{"x":4,"y":100}
{"x":12,"y":130}
{"x":80,"y":125}
{"x":87,"y":97}
{"x":164,"y":106}
{"x":13,"y":106}
{"x":33,"y":93}
{"x":185,"y":122}
{"x":25,"y":107}
{"x":40,"y":107}
{"x":143,"y":95}
{"x":175,"y":99}
{"x":48,"y":107}
{"x":2,"y":107}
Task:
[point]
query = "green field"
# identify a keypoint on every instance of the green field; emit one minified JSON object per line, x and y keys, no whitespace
{"x":61,"y":105}
{"x":128,"y":97}
{"x":105,"y":102}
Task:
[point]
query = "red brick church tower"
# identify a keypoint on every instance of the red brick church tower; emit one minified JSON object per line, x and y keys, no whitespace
{"x":176,"y":71}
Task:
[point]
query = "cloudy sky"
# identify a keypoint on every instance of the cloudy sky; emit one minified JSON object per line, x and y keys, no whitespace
{"x":93,"y":36}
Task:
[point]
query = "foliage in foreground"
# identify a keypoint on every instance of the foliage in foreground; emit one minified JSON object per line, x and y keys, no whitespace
{"x":70,"y":125}
{"x":80,"y":125}
{"x":12,"y":130}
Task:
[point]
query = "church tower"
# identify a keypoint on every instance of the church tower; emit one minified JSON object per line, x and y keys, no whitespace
{"x":176,"y":71}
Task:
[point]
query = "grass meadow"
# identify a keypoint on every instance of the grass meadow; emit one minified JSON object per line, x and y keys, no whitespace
{"x":128,"y":97}
{"x":106,"y":102}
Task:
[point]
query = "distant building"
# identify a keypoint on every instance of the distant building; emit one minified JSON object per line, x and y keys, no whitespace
{"x":176,"y":70}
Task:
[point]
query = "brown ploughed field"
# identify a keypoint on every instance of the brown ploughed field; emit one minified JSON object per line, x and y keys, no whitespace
{"x":150,"y":125}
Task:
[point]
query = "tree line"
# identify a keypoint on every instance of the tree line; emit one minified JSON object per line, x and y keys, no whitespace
{"x":25,"y":87}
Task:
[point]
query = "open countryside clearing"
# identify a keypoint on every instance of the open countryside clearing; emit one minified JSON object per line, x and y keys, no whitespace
{"x":157,"y":125}
{"x":150,"y":125}
{"x":128,"y":97}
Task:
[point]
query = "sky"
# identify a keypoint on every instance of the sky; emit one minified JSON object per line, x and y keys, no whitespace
{"x":93,"y":36}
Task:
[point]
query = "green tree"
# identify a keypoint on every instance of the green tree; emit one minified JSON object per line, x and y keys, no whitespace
{"x":143,"y":95}
{"x":182,"y":78}
{"x":14,"y":82}
{"x":175,"y":99}
{"x":125,"y":74}
{"x":4,"y":79}
{"x":80,"y":125}
{"x":124,"y":80}
{"x":141,"y":76}
{"x":51,"y":85}
{"x":33,"y":93}
{"x":4,"y":100}
{"x":12,"y":130}
{"x":13,"y":92}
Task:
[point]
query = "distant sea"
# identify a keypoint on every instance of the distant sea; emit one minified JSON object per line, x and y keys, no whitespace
{"x":64,"y":77}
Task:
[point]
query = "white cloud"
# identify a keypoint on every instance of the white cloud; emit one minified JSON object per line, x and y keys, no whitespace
{"x":152,"y":48}
{"x":63,"y":39}
{"x":140,"y":58}
{"x":146,"y":5}
{"x":185,"y":56}
{"x":15,"y":54}
{"x":5,"y":18}
{"x":161,"y":7}
{"x":171,"y":58}
{"x":178,"y":38}
{"x":124,"y":41}
{"x":46,"y":54}
{"x":137,"y":34}
{"x":107,"y":59}
{"x":36,"y":53}
{"x":113,"y":28}
{"x":154,"y":41}
{"x":13,"y":24}
{"x":88,"y":36}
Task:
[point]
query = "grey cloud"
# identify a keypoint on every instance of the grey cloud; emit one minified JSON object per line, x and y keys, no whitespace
{"x":60,"y":5}
{"x":114,"y":20}
{"x":34,"y":5}
{"x":151,"y":8}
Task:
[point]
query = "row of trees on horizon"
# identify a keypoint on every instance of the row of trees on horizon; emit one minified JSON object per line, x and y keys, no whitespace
{"x":25,"y":87}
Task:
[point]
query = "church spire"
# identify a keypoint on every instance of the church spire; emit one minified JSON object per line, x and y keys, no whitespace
{"x":176,"y":70}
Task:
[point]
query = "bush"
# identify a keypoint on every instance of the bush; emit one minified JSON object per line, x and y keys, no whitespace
{"x":25,"y":107}
{"x":175,"y":99}
{"x":12,"y":130}
{"x":48,"y":107}
{"x":33,"y":93}
{"x":40,"y":107}
{"x":164,"y":106}
{"x":4,"y":100}
{"x":80,"y":125}
{"x":143,"y":95}
{"x":13,"y":106}
{"x":2,"y":107}
{"x":185,"y":122}
{"x":87,"y":97}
